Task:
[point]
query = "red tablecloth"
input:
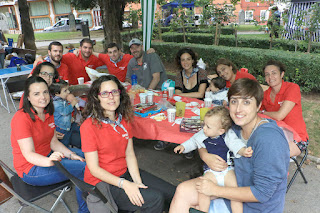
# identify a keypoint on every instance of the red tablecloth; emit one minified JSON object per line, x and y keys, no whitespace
{"x":150,"y":129}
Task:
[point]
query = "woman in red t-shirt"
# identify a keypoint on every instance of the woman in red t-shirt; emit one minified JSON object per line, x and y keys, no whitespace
{"x":35,"y":145}
{"x":106,"y":137}
{"x":228,"y":71}
{"x":282,"y":101}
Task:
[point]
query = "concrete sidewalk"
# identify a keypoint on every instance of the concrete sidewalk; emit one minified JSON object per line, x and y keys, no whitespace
{"x":169,"y":166}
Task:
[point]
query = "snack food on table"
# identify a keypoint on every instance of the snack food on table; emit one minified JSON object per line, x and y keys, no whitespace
{"x":159,"y":117}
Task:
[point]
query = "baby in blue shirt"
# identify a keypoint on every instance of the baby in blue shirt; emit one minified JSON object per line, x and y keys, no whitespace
{"x":217,"y":91}
{"x":63,"y":114}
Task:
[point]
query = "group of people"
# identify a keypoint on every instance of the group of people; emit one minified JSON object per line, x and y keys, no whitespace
{"x":255,"y":183}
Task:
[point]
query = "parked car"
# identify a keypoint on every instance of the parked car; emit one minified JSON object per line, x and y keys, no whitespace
{"x":63,"y":25}
{"x":125,"y":24}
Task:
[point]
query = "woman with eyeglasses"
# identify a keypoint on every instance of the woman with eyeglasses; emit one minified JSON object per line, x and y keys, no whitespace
{"x":192,"y":80}
{"x":228,"y":71}
{"x":106,"y":137}
{"x":35,"y":145}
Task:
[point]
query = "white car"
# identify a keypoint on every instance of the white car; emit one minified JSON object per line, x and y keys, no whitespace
{"x":63,"y":25}
{"x":125,"y":24}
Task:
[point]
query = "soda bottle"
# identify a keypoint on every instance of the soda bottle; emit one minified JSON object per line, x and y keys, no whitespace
{"x":18,"y":67}
{"x":134,"y":79}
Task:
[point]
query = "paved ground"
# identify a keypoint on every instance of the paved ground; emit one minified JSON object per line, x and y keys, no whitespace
{"x":171,"y":167}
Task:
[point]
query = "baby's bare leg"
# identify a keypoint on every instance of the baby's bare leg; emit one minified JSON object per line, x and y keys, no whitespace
{"x":204,"y":200}
{"x":230,"y":180}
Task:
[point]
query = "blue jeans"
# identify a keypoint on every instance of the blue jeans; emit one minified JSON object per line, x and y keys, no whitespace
{"x":43,"y":176}
{"x":71,"y":137}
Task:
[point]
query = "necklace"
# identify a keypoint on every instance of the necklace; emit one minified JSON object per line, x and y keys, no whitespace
{"x":255,"y":127}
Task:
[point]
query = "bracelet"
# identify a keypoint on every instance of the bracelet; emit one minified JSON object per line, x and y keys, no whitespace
{"x":71,"y":154}
{"x":120,"y":184}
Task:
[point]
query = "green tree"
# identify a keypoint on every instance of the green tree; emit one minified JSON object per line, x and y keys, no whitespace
{"x":27,"y":29}
{"x":313,"y":20}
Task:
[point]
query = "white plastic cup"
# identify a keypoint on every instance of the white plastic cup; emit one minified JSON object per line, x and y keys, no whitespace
{"x":150,"y":97}
{"x":171,"y":114}
{"x":67,"y":81}
{"x":207,"y":94}
{"x":170,"y":91}
{"x":81,"y":80}
{"x":207,"y":102}
{"x":143,"y":98}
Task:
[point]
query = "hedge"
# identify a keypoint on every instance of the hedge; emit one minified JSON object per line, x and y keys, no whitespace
{"x":229,"y":40}
{"x":224,"y":30}
{"x":303,"y":69}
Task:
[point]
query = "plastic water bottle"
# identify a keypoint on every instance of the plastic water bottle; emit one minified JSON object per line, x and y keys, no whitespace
{"x":134,"y":79}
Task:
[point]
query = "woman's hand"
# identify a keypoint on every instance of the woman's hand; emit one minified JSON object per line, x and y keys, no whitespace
{"x":206,"y":186}
{"x":133,"y":192}
{"x":74,"y":156}
{"x":215,"y":162}
{"x":56,"y":156}
{"x":76,"y":52}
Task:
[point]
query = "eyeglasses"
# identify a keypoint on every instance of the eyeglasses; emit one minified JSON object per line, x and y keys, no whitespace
{"x":106,"y":94}
{"x":45,"y":74}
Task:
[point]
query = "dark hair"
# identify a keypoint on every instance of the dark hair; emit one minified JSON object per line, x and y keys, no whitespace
{"x":218,"y":82}
{"x":55,"y":43}
{"x":37,"y":70}
{"x":278,"y":64}
{"x":27,"y":107}
{"x":226,"y":62}
{"x":190,"y":52}
{"x":224,"y":115}
{"x":246,"y":87}
{"x":55,"y":88}
{"x":93,"y":107}
{"x":111,"y":45}
{"x":86,"y":40}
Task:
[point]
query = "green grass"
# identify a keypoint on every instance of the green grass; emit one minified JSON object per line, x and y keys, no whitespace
{"x":250,"y":27}
{"x":311,"y":115}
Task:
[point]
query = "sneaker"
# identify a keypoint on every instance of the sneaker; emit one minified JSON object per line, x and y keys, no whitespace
{"x":161,"y":145}
{"x":189,"y":155}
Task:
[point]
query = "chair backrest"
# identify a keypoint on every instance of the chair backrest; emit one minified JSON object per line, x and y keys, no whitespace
{"x":83,"y":186}
{"x":16,"y":86}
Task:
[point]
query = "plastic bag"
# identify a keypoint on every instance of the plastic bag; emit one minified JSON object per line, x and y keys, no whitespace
{"x":201,"y":64}
{"x":94,"y":74}
{"x":164,"y":104}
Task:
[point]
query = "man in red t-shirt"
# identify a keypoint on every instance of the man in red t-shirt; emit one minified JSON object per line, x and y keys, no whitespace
{"x":55,"y":52}
{"x":115,"y":60}
{"x":77,"y":63}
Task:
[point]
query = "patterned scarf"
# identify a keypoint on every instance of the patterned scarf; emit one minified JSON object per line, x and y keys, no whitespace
{"x":115,"y":123}
{"x":194,"y":71}
{"x":48,"y":59}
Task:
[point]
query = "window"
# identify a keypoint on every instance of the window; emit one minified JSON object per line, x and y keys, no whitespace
{"x":247,"y":0}
{"x":228,"y":8}
{"x":38,"y":8}
{"x":264,"y":15}
{"x":61,"y":7}
{"x":249,"y":15}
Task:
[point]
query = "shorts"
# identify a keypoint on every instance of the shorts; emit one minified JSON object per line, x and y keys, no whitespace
{"x":302,"y":145}
{"x":220,"y":175}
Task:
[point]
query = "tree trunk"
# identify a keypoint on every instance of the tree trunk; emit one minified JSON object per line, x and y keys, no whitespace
{"x":309,"y":42}
{"x":236,"y":36}
{"x":27,"y":29}
{"x":110,"y":16}
{"x":216,"y":35}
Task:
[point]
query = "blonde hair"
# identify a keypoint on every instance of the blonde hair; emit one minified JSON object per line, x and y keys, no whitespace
{"x":224,"y":115}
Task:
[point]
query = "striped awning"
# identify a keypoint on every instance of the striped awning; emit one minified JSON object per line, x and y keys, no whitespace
{"x":148,"y":9}
{"x":291,"y":27}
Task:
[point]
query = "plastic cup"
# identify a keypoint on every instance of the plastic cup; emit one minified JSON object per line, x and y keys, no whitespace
{"x":150,"y":97}
{"x":171,"y":114}
{"x":67,"y":81}
{"x":180,"y":107}
{"x":203,"y":112}
{"x":207,"y":94}
{"x":143,"y":98}
{"x":81,"y":80}
{"x":170,"y":91}
{"x":207,"y":102}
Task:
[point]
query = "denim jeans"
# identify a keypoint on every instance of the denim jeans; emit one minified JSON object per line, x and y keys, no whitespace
{"x":42,"y":176}
{"x":71,"y":137}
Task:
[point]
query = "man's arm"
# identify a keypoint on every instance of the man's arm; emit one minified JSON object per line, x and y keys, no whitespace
{"x":155,"y":80}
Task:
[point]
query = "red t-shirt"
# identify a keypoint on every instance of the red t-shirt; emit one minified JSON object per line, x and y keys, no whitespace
{"x":119,"y":69}
{"x":62,"y":70}
{"x":41,"y":133}
{"x":288,"y":92}
{"x":241,"y":75}
{"x":110,"y":145}
{"x":77,"y":64}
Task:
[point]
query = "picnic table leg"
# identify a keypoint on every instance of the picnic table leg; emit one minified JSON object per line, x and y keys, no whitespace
{"x":5,"y":94}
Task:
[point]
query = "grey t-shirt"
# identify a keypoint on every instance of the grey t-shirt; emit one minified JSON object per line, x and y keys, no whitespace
{"x":151,"y":64}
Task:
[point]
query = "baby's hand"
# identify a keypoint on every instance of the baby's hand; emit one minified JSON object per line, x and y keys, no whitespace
{"x":248,"y":152}
{"x":179,"y":149}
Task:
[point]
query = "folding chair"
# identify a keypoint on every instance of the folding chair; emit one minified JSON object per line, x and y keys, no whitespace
{"x":299,"y":169}
{"x":85,"y":187}
{"x":15,"y":86}
{"x":27,"y":194}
